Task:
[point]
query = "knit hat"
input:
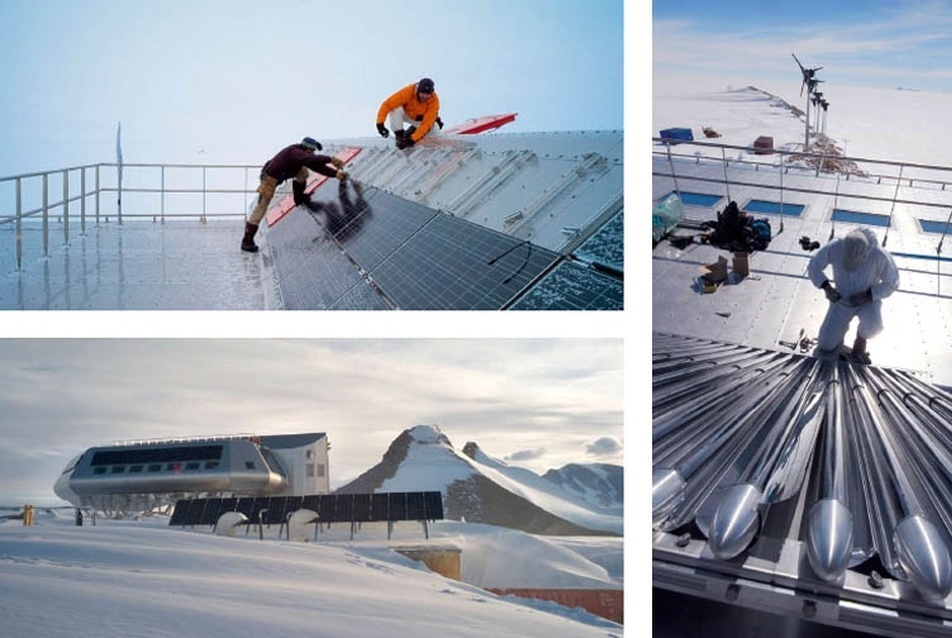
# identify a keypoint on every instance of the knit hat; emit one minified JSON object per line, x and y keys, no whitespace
{"x":312,"y":144}
{"x":425,"y":86}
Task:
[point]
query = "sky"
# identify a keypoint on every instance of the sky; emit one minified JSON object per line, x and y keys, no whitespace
{"x":882,"y":44}
{"x":143,"y":578}
{"x":233,"y":81}
{"x":539,"y":403}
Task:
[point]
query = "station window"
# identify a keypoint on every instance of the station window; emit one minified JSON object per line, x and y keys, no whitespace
{"x":211,"y":465}
{"x":309,"y":470}
{"x":155,"y":467}
{"x":117,"y":469}
{"x":99,"y":470}
{"x":191,"y":466}
{"x":320,"y":470}
{"x":135,"y":468}
{"x":249,"y":465}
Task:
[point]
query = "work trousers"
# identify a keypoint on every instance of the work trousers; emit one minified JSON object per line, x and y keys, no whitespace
{"x":266,"y":193}
{"x":838,"y":318}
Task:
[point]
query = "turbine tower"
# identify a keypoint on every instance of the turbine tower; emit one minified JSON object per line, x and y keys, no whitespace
{"x":810,"y":81}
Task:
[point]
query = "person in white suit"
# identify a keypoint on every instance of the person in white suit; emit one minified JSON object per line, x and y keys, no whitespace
{"x":864,"y":274}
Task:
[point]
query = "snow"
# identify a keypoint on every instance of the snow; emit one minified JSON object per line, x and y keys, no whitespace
{"x":144,"y":578}
{"x":872,"y":123}
{"x":432,"y":463}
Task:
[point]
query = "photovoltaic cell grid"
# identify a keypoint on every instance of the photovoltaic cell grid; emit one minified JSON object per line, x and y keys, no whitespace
{"x":391,"y":252}
{"x":314,"y":273}
{"x":607,"y":244}
{"x":570,"y":286}
{"x":330,"y":508}
{"x":453,"y":264}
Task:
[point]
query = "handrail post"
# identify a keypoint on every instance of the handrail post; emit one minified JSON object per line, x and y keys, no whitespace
{"x":46,"y":214}
{"x":204,"y":192}
{"x":162,"y":188}
{"x":19,"y":232}
{"x":97,"y":194}
{"x":66,"y":205}
{"x":82,"y":201}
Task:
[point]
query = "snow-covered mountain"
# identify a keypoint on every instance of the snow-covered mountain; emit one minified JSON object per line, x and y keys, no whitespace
{"x":597,"y":483}
{"x":576,"y":500}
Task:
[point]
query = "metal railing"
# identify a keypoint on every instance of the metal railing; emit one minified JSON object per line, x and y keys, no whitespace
{"x":924,"y":186}
{"x":98,"y":193}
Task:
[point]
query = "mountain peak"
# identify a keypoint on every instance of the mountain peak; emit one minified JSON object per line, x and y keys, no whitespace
{"x":428,"y":434}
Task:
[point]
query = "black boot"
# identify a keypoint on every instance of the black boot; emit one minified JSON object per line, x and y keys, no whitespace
{"x":248,"y":241}
{"x":298,"y":189}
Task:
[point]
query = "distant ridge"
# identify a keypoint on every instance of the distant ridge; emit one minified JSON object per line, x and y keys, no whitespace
{"x":575,"y":500}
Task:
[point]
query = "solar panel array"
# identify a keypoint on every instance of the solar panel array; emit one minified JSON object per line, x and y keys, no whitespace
{"x":360,"y":248}
{"x":330,"y":508}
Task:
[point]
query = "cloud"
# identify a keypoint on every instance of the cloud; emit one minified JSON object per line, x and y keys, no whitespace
{"x":526,"y":455}
{"x":604,"y":446}
{"x":62,"y":396}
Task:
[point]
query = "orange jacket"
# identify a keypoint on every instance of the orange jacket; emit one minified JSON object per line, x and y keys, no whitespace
{"x":414,"y":108}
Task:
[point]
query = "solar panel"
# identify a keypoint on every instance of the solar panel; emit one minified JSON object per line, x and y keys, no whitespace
{"x":345,"y":507}
{"x":606,"y":245}
{"x":260,"y":503}
{"x":209,"y":514}
{"x":361,"y":512}
{"x":180,"y":512}
{"x":433,"y":505}
{"x":571,"y":286}
{"x":380,"y":507}
{"x":416,"y":511}
{"x":314,"y":273}
{"x":328,"y":508}
{"x":312,"y":502}
{"x":387,"y":252}
{"x":451,"y":264}
{"x":397,"y":506}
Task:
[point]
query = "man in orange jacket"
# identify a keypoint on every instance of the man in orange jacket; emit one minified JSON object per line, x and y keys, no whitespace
{"x":416,"y":104}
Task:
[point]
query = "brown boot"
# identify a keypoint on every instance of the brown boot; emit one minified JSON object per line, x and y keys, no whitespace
{"x":248,"y":241}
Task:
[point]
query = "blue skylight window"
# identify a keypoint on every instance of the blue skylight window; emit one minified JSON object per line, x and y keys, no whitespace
{"x":854,"y":217}
{"x":774,"y":208}
{"x":929,"y":226}
{"x":697,"y":199}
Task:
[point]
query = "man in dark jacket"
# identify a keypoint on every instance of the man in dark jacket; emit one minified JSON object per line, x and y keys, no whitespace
{"x":291,"y":162}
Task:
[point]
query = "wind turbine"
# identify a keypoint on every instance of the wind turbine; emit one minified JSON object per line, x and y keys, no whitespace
{"x":810,"y":81}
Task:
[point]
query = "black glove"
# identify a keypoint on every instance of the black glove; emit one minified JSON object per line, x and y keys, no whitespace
{"x":832,"y":294}
{"x":404,"y":141}
{"x":861,"y":297}
{"x":439,"y":122}
{"x":383,"y":130}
